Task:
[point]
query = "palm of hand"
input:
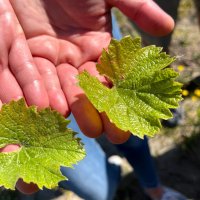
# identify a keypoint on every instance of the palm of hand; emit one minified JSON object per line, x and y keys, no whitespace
{"x":62,"y":44}
{"x":72,"y":32}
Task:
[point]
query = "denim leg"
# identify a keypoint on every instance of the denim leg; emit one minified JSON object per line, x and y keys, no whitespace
{"x":137,"y":152}
{"x":93,"y":178}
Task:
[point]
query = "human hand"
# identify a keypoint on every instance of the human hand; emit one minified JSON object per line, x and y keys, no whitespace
{"x":61,"y":39}
{"x":64,"y":38}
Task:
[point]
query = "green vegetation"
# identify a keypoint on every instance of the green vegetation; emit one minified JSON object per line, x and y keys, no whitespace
{"x":143,"y":88}
{"x":45,"y":145}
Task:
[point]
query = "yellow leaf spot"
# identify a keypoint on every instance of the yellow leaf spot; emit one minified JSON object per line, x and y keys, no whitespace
{"x":180,"y":68}
{"x":197,"y":92}
{"x":185,"y":93}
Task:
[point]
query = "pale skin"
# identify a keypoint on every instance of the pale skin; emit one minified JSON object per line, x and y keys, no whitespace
{"x":45,"y":44}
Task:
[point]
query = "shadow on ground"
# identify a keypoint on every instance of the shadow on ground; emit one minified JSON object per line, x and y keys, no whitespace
{"x":178,"y":168}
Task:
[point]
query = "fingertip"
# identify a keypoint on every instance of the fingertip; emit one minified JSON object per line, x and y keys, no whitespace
{"x":87,"y":117}
{"x":169,"y":27}
{"x":26,"y":188}
{"x":157,"y":24}
{"x":10,"y":148}
{"x":147,"y":15}
{"x":161,"y":27}
{"x":119,"y":137}
{"x":112,"y":132}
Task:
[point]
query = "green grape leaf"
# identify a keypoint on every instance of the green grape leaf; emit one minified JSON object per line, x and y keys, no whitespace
{"x":45,"y":145}
{"x":143,"y":88}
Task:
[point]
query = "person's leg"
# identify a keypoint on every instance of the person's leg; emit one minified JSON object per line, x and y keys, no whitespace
{"x":93,"y":178}
{"x":137,"y":152}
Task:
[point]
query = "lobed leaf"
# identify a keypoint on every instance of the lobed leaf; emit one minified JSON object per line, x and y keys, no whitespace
{"x":45,"y":145}
{"x":143,"y":88}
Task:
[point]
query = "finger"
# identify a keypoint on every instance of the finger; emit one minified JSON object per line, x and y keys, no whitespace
{"x":26,"y":73}
{"x":147,"y":15}
{"x":9,"y":88}
{"x":20,"y":59}
{"x":85,"y":114}
{"x":9,"y":148}
{"x":91,"y":45}
{"x":49,"y":75}
{"x":26,"y":188}
{"x":49,"y":48}
{"x":114,"y":134}
{"x":91,"y":68}
{"x":0,"y":104}
{"x":9,"y":29}
{"x":57,"y":52}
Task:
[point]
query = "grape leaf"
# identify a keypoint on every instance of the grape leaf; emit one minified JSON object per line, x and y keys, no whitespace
{"x":45,"y":145}
{"x":143,"y":88}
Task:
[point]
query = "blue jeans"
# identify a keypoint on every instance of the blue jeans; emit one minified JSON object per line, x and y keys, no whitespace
{"x":94,"y":178}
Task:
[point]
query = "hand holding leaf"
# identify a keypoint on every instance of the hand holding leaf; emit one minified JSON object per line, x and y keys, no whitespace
{"x":45,"y":145}
{"x":143,"y":88}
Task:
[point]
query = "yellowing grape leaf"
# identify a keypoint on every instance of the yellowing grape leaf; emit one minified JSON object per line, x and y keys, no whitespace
{"x":143,"y":88}
{"x":45,"y":145}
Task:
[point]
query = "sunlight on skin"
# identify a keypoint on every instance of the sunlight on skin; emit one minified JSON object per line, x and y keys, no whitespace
{"x":147,"y":15}
{"x":71,"y":40}
{"x":10,"y":148}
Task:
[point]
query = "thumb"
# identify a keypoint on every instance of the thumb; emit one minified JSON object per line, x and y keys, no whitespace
{"x":147,"y":15}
